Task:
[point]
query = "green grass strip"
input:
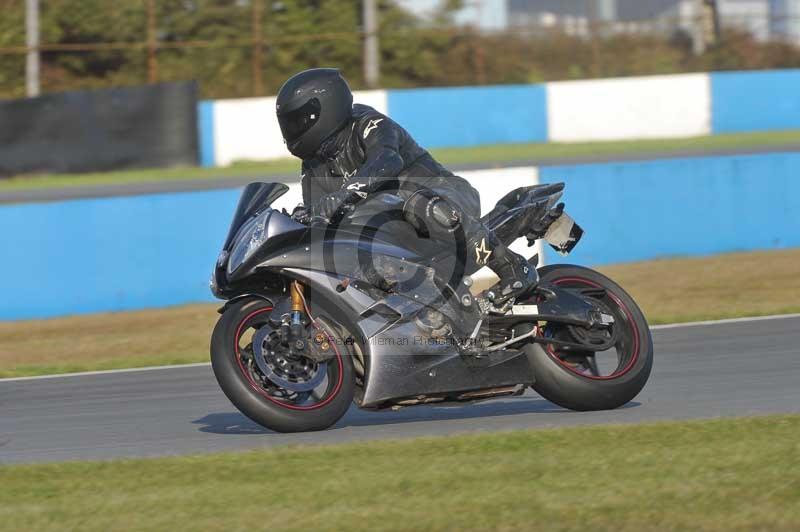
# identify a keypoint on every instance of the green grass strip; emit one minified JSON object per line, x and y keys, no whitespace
{"x":720,"y":475}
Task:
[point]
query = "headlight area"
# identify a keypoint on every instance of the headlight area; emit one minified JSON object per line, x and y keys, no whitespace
{"x":249,"y":238}
{"x":213,"y":282}
{"x":214,"y":286}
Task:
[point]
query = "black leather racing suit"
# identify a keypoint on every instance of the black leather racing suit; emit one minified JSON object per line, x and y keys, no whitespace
{"x":373,"y":153}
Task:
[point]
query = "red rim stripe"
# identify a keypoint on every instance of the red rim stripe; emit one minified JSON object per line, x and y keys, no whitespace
{"x":627,"y":312}
{"x":263,"y":392}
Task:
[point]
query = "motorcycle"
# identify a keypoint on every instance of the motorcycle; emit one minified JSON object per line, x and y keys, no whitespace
{"x":320,"y":315}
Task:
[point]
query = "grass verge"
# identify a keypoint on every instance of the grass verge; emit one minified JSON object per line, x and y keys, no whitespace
{"x":726,"y":475}
{"x":708,"y":288}
{"x":669,"y":291}
{"x":493,"y":154}
{"x":177,"y":335}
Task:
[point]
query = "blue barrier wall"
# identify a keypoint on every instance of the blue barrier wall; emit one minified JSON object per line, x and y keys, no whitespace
{"x":755,"y":101}
{"x":643,"y":210}
{"x":110,"y":254}
{"x":205,"y":132}
{"x":469,"y":116}
{"x":157,"y":250}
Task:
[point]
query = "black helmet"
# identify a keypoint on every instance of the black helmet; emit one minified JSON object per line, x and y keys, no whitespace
{"x":312,"y":106}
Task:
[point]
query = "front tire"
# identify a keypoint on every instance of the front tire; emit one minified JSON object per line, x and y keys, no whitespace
{"x":251,"y":393}
{"x":563,"y":378}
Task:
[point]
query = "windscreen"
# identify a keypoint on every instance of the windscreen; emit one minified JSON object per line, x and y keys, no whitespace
{"x":255,"y":198}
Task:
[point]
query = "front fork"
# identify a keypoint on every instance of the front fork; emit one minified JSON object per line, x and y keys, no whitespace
{"x":293,"y":329}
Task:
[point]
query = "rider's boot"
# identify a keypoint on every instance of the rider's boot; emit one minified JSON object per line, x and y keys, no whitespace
{"x":484,"y":246}
{"x":516,"y":274}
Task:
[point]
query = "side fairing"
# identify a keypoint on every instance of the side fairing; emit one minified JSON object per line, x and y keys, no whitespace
{"x":343,"y":252}
{"x":401,"y":360}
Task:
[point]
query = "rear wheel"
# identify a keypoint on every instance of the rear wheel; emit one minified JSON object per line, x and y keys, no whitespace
{"x":278,"y":391}
{"x":586,"y":379}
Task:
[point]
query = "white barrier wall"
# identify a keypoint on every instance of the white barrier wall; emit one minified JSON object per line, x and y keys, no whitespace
{"x":246,"y":129}
{"x":572,"y":111}
{"x":629,"y":108}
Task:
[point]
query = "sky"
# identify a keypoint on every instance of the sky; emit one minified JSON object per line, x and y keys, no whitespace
{"x":491,"y":14}
{"x":494,"y":14}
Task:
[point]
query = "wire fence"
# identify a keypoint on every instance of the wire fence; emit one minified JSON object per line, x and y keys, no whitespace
{"x":239,"y":48}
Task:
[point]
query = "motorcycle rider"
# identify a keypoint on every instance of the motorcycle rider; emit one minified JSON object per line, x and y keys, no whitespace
{"x":351,"y":151}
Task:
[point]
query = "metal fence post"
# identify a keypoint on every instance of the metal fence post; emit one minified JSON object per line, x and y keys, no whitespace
{"x":32,"y":63}
{"x":698,"y":28}
{"x":152,"y":44}
{"x":371,"y":45}
{"x":258,"y":48}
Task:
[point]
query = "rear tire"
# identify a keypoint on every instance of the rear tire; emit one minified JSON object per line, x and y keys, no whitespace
{"x":254,"y":400}
{"x":559,"y":381}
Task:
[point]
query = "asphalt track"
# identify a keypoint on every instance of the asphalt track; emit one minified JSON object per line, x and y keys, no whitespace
{"x":186,"y":185}
{"x":738,"y":368}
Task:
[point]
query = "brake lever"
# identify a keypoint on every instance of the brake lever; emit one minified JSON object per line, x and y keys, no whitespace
{"x":318,"y":219}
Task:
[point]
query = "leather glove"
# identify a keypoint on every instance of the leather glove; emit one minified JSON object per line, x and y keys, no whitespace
{"x":301,"y":214}
{"x":336,"y":204}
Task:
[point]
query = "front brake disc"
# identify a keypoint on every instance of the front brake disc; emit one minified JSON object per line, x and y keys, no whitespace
{"x":270,"y":365}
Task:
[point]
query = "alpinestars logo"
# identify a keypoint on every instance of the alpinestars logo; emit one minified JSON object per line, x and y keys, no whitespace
{"x":356,"y":187}
{"x":372,"y":124}
{"x":482,"y":253}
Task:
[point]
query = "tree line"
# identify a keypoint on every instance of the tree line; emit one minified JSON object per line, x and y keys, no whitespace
{"x":226,"y":44}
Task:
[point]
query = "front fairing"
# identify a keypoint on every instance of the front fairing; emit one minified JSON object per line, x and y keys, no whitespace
{"x":255,"y":229}
{"x":373,"y":238}
{"x":265,"y":234}
{"x":261,"y":238}
{"x":255,"y":198}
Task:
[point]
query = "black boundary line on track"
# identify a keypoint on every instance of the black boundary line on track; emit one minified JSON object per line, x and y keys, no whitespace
{"x":192,"y":185}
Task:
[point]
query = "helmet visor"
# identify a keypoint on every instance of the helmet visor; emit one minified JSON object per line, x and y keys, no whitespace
{"x":295,"y":123}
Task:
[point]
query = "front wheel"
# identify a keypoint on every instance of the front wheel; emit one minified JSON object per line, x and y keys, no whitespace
{"x":588,"y":380}
{"x":282,"y":393}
